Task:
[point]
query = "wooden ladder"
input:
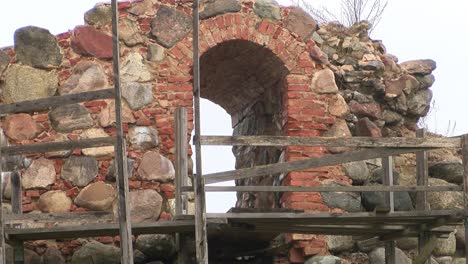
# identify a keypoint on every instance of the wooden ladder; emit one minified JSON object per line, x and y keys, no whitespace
{"x":118,"y":142}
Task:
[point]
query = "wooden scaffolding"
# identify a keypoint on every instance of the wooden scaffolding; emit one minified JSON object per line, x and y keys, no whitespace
{"x":384,"y":225}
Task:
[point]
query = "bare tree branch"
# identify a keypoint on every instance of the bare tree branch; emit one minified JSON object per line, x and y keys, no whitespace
{"x":352,"y":11}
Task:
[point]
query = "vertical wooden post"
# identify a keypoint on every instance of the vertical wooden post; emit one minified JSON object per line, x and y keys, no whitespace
{"x":181,"y":146}
{"x":464,"y":139}
{"x":17,"y":208}
{"x":201,"y":242}
{"x":422,"y":177}
{"x":180,"y":157}
{"x":387,"y":165}
{"x":2,"y":189}
{"x":125,"y":226}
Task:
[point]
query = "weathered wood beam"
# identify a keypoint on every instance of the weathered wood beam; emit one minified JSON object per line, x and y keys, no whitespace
{"x":201,"y":237}
{"x":125,"y":225}
{"x":297,"y":216}
{"x":57,"y":146}
{"x":181,"y":146}
{"x":425,"y":251}
{"x":88,"y":216}
{"x":16,"y":208}
{"x":304,"y":164}
{"x":328,"y":188}
{"x":368,"y":142}
{"x":44,"y":103}
{"x":422,"y":179}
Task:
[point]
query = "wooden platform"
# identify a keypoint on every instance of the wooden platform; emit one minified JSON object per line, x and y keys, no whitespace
{"x":408,"y":224}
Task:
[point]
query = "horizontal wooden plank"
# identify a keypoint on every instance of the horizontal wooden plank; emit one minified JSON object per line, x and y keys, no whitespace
{"x":44,"y":103}
{"x":451,"y":214}
{"x":368,"y":142}
{"x":286,"y":167}
{"x":332,"y":188}
{"x":56,"y":146}
{"x":95,"y":230}
{"x":59,"y":217}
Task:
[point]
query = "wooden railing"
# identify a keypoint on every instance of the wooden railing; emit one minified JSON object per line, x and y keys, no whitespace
{"x":369,"y":148}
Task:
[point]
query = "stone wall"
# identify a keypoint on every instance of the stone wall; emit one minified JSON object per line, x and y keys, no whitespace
{"x":271,"y":68}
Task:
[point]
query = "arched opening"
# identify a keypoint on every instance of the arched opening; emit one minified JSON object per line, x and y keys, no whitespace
{"x":247,"y":80}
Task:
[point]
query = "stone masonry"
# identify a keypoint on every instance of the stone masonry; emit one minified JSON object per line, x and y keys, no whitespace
{"x":272,"y":68}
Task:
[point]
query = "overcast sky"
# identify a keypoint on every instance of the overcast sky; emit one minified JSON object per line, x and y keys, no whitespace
{"x":410,"y":29}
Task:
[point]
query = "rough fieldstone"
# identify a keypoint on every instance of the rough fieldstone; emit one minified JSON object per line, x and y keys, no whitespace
{"x":367,"y":128}
{"x":129,"y":33}
{"x":100,"y":151}
{"x":157,"y":246}
{"x":448,"y":171}
{"x":139,"y":257}
{"x":301,"y":23}
{"x":219,"y":7}
{"x":99,"y":16}
{"x":348,"y":201}
{"x":134,"y":70}
{"x":80,"y":170}
{"x":137,"y":95}
{"x":391,"y":117}
{"x":53,"y":256}
{"x":267,"y":9}
{"x":40,"y":174}
{"x":339,"y":129}
{"x":422,"y":67}
{"x":419,"y":103}
{"x":372,"y":200}
{"x":444,"y":260}
{"x":96,"y":196}
{"x":426,"y":81}
{"x":337,"y":106}
{"x":4,"y":62}
{"x":323,"y":82}
{"x":144,"y":7}
{"x":54,"y":202}
{"x":112,"y":174}
{"x":445,"y":246}
{"x":88,"y":41}
{"x":37,"y":47}
{"x":377,"y":256}
{"x":145,"y":205}
{"x":21,"y":127}
{"x":27,"y":83}
{"x":31,"y":257}
{"x":378,"y":175}
{"x":444,"y":200}
{"x":407,"y":243}
{"x":95,"y":252}
{"x":86,"y":76}
{"x":338,"y":244}
{"x":59,"y":153}
{"x":67,"y":118}
{"x":459,"y":261}
{"x":143,"y":137}
{"x":356,"y":171}
{"x":155,"y":167}
{"x":371,"y":110}
{"x":170,"y":26}
{"x":318,"y":55}
{"x":155,"y":53}
{"x":107,"y":115}
{"x":324,"y":260}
